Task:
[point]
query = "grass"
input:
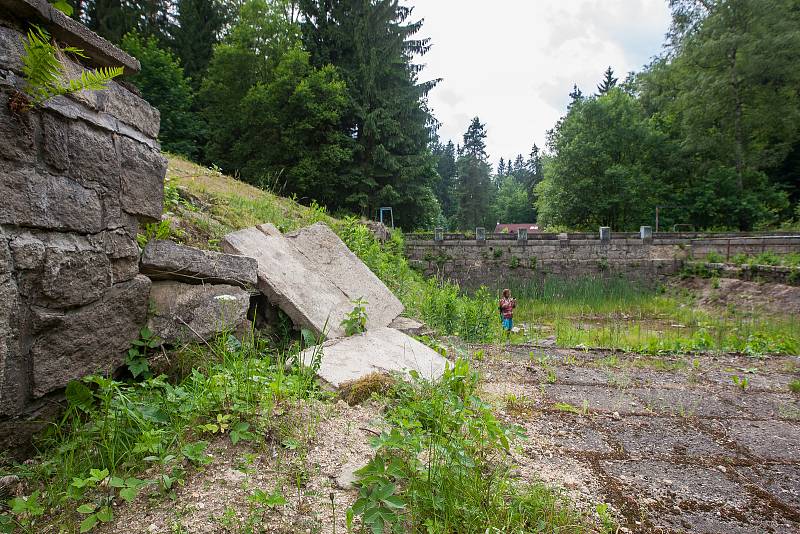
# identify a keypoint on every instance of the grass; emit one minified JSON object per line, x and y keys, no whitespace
{"x":616,"y":313}
{"x":443,"y":466}
{"x":112,"y":430}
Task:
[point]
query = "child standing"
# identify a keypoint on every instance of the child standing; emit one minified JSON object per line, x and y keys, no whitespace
{"x":507,"y":305}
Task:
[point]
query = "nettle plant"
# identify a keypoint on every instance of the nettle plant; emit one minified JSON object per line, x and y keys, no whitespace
{"x":45,"y":75}
{"x":356,"y":320}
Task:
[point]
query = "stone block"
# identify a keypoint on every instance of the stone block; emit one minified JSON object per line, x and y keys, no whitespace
{"x":166,"y":260}
{"x":142,"y":179}
{"x":11,"y":49}
{"x":122,"y":251}
{"x":11,"y":376}
{"x":289,"y":281}
{"x":130,"y":109}
{"x":90,"y":339}
{"x":196,"y":313}
{"x":75,"y":277}
{"x":329,"y":255}
{"x":55,"y":146}
{"x":17,"y":132}
{"x":33,"y":199}
{"x":383,"y":350}
{"x":93,"y":160}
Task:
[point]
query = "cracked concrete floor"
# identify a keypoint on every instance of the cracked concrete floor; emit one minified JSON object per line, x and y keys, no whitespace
{"x":672,"y":443}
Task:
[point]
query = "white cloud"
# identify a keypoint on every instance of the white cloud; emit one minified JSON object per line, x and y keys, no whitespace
{"x":514,"y":62}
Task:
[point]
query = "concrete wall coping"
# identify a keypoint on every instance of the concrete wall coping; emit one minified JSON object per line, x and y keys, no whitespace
{"x":101,"y":53}
{"x":662,"y":237}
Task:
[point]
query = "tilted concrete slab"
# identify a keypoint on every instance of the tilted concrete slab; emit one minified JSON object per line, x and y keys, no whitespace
{"x":329,"y":255}
{"x":290,"y":281}
{"x":380,"y":350}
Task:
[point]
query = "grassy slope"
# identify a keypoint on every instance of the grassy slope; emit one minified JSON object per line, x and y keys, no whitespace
{"x":206,"y":205}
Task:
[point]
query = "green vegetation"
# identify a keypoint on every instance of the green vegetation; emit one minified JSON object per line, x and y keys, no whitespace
{"x":112,"y":429}
{"x":356,"y":320}
{"x":442,"y":467}
{"x":616,"y":313}
{"x":768,"y":258}
{"x":44,"y":73}
{"x":794,"y":386}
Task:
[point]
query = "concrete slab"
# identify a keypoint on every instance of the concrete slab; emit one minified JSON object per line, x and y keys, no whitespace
{"x":379,"y":350}
{"x":329,"y":255}
{"x":290,"y":281}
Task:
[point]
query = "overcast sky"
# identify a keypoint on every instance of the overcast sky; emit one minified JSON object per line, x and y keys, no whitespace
{"x":513,"y":62}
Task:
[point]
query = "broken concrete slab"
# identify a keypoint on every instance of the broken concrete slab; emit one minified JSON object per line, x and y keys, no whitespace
{"x":382,"y":350}
{"x":330,"y":256}
{"x":193,"y":313}
{"x":166,"y":260}
{"x":290,"y":281}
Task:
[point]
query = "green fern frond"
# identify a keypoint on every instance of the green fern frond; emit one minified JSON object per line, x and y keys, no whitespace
{"x":44,"y":74}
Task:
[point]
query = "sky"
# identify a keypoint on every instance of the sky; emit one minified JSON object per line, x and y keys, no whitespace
{"x":513,"y":62}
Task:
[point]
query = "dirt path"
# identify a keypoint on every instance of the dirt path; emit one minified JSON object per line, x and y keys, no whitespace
{"x":672,"y":446}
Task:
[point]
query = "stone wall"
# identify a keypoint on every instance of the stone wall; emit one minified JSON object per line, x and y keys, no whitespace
{"x":503,"y":260}
{"x":77,"y":177}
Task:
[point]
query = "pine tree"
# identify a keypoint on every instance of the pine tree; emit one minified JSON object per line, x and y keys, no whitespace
{"x":501,"y":167}
{"x":608,"y":83}
{"x":373,"y":44}
{"x":200,"y":23}
{"x":575,"y":96}
{"x":448,"y":172}
{"x":474,"y":185}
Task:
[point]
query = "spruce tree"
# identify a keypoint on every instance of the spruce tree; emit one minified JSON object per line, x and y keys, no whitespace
{"x":200,"y":23}
{"x":608,"y":83}
{"x":373,"y":44}
{"x":447,"y":170}
{"x":474,"y":197}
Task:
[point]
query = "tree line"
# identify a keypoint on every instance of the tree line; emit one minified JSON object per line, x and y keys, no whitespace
{"x":322,"y":100}
{"x":316,"y":99}
{"x":709,"y":131}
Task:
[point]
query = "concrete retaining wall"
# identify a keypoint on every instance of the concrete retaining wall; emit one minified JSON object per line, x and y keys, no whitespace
{"x":77,"y":177}
{"x":502,"y":258}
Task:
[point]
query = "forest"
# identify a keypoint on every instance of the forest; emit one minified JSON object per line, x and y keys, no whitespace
{"x":322,"y":100}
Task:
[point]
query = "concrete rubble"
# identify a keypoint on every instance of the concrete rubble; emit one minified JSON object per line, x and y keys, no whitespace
{"x":384,"y":350}
{"x":328,"y":254}
{"x":165,"y":260}
{"x":313,"y":277}
{"x":290,"y":281}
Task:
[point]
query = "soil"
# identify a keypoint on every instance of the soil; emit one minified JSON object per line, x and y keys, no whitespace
{"x":320,"y":442}
{"x":776,"y":299}
{"x":681,"y":449}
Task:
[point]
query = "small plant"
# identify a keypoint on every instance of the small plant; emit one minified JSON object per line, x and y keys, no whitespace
{"x":715,"y":257}
{"x":159,"y":231}
{"x":741,"y":382}
{"x":136,"y":359}
{"x":514,"y":263}
{"x":794,"y":386}
{"x":606,"y":520}
{"x":498,"y":253}
{"x":44,"y":73}
{"x":356,"y":320}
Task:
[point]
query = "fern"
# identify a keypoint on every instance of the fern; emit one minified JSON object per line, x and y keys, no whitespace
{"x":44,"y":73}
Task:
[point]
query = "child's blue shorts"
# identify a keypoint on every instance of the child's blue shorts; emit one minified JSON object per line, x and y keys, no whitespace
{"x":508,"y":324}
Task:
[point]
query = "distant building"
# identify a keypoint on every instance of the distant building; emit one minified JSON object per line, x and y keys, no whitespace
{"x":512,"y":228}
